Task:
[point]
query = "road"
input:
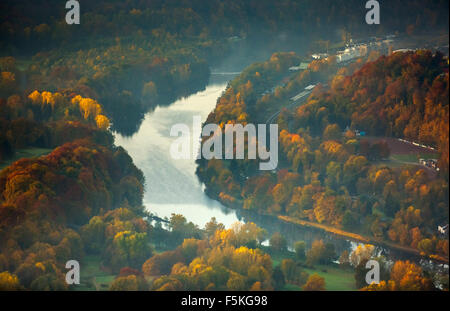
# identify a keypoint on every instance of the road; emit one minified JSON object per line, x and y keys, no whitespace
{"x":298,"y":99}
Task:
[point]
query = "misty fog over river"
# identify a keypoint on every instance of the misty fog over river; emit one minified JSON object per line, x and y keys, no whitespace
{"x":172,"y":185}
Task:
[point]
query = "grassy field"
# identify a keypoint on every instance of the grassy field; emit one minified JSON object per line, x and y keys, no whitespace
{"x":336,"y":277}
{"x":92,"y":277}
{"x":25,"y":153}
{"x":410,"y":161}
{"x":395,"y":164}
{"x":414,"y":157}
{"x":103,"y":282}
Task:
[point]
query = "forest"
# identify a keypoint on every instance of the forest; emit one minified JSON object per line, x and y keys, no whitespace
{"x":151,"y":52}
{"x":328,"y":174}
{"x":65,"y":90}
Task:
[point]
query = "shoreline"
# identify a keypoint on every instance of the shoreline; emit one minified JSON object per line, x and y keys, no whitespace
{"x":363,"y":239}
{"x":338,"y":233}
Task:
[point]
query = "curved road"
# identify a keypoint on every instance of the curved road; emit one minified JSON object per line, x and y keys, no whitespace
{"x":299,"y":99}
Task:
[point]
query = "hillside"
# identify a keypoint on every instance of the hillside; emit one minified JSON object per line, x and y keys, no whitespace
{"x":332,"y":176}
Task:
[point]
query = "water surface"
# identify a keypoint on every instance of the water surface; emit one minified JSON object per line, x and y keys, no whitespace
{"x":172,"y":185}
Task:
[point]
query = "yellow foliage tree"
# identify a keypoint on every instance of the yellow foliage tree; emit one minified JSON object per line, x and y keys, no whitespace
{"x":36,"y":97}
{"x":102,"y":122}
{"x":8,"y":281}
{"x":88,"y":106}
{"x":315,"y":283}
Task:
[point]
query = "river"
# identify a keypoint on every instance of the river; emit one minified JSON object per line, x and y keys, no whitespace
{"x":173,"y":187}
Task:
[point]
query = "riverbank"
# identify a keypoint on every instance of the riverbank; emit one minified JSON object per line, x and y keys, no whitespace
{"x":363,"y":239}
{"x":338,"y":233}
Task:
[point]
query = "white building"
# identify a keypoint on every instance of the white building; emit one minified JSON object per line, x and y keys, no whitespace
{"x":348,"y":54}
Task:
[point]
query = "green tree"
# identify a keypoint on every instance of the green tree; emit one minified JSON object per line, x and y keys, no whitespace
{"x":332,"y":132}
{"x":277,"y":242}
{"x":300,"y":250}
{"x":130,"y":249}
{"x":129,"y":283}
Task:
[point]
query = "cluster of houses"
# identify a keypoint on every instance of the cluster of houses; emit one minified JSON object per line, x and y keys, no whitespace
{"x":431,"y":163}
{"x":351,"y":52}
{"x":354,"y":50}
